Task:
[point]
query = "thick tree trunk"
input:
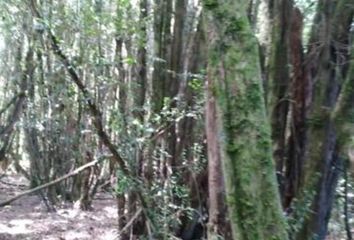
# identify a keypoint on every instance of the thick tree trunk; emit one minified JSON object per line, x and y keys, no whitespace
{"x":233,"y":64}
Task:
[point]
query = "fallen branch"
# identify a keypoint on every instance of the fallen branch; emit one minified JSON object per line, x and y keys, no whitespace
{"x":131,"y":221}
{"x":46,"y":185}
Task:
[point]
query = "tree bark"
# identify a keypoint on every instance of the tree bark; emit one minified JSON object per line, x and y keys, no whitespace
{"x":299,"y":94}
{"x":216,"y":186}
{"x":233,"y":64}
{"x":279,"y":79}
{"x":162,"y":31}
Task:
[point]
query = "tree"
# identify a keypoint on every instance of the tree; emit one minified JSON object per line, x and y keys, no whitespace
{"x":233,"y":66}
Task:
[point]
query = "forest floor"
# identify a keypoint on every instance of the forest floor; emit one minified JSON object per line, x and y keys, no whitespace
{"x":28,"y":218}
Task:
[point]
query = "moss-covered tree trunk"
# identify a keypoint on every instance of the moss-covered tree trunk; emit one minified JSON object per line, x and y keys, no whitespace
{"x":233,"y":64}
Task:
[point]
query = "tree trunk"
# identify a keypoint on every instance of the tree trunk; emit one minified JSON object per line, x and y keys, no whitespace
{"x":233,"y":64}
{"x":299,"y":94}
{"x":216,"y":186}
{"x":162,"y":31}
{"x":279,"y":79}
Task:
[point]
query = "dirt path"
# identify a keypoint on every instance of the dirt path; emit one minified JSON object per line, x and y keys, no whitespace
{"x":27,"y":217}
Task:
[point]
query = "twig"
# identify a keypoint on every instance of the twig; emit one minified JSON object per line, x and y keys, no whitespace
{"x":8,"y":105}
{"x":131,"y":221}
{"x":160,"y":131}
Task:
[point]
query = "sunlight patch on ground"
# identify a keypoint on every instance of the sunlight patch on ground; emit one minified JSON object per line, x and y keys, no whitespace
{"x":110,"y":235}
{"x":110,"y":211}
{"x":74,"y":234}
{"x":17,"y":226}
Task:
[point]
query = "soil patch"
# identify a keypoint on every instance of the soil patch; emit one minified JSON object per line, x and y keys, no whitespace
{"x":28,"y":218}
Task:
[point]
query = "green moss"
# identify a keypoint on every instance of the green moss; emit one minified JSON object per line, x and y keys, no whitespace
{"x":236,"y":25}
{"x":250,"y":179}
{"x":318,"y":119}
{"x":210,"y":4}
{"x":254,"y":96}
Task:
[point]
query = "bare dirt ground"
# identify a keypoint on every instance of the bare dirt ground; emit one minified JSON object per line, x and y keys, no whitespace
{"x":28,"y":219}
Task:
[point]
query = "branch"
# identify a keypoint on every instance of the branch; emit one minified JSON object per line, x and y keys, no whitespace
{"x":8,"y":105}
{"x":46,"y":185}
{"x":131,"y":221}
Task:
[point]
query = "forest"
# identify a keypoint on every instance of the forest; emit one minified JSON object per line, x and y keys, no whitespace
{"x":177,"y":119}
